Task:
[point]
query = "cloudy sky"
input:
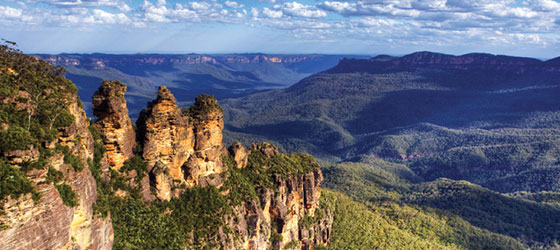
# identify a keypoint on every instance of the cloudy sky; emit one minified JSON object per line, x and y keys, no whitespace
{"x":514,"y":27}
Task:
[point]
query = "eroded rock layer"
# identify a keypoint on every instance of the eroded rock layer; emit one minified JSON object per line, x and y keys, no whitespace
{"x":48,"y":223}
{"x":286,"y":215}
{"x":181,"y":148}
{"x":114,"y":124}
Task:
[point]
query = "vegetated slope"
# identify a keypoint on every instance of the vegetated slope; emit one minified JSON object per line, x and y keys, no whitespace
{"x":47,"y":192}
{"x":446,"y":212}
{"x":492,"y":120}
{"x":189,"y":75}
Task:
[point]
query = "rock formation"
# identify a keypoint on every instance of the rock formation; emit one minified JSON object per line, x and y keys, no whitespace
{"x":183,"y":150}
{"x":208,"y":124}
{"x":48,"y":223}
{"x":166,"y":135}
{"x":239,"y":153}
{"x":114,"y":124}
{"x":285,"y":216}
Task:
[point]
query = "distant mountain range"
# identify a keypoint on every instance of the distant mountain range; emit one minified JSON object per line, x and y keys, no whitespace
{"x":224,"y":75}
{"x":492,"y":120}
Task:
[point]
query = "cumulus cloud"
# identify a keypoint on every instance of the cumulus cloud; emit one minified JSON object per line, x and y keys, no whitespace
{"x":110,"y":18}
{"x":404,"y":21}
{"x":297,"y":9}
{"x":270,"y":13}
{"x":235,"y":5}
{"x":9,"y":12}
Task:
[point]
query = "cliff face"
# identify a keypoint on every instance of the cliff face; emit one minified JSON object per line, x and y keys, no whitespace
{"x":206,"y":162}
{"x":182,"y":149}
{"x":469,"y":63}
{"x":116,"y":60}
{"x":286,"y":214}
{"x":49,"y":223}
{"x":167,"y":138}
{"x":114,"y":124}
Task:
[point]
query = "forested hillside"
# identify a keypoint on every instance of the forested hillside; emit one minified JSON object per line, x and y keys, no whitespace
{"x":491,"y":120}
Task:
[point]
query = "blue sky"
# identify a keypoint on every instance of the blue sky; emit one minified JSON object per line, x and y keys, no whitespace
{"x":522,"y":27}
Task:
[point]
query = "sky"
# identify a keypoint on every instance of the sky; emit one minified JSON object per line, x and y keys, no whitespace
{"x":512,"y":27}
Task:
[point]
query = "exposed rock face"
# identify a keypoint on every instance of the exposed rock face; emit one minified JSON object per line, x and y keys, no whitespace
{"x":467,"y":63}
{"x":186,"y":147}
{"x":239,"y":153}
{"x":207,"y":125}
{"x":167,"y":137}
{"x":114,"y":124}
{"x":287,"y":216}
{"x":49,"y":224}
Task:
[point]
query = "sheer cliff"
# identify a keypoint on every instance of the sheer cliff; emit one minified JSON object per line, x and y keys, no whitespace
{"x":47,"y":191}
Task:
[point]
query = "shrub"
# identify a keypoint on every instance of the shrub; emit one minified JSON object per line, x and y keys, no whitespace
{"x":67,"y":195}
{"x":13,"y":182}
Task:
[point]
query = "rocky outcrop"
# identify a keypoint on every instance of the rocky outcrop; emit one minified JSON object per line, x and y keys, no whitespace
{"x":48,"y":223}
{"x":285,"y":216}
{"x":239,"y":153}
{"x":167,"y":138}
{"x":113,"y":123}
{"x":208,"y":124}
{"x":185,"y":146}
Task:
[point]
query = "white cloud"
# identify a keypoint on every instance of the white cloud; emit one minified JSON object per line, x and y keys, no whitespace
{"x":535,"y":22}
{"x":155,"y":13}
{"x":297,"y":9}
{"x":200,"y":6}
{"x":9,"y":12}
{"x":232,"y":4}
{"x":110,"y":18}
{"x":339,"y":7}
{"x":272,"y":13}
{"x":254,"y":12}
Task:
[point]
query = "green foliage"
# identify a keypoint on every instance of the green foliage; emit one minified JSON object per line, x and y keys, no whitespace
{"x":528,"y":221}
{"x":13,"y":182}
{"x":260,"y":172}
{"x":276,"y":237}
{"x":15,"y":138}
{"x":384,"y":202}
{"x":203,"y":106}
{"x":71,"y":159}
{"x":135,"y":163}
{"x":68,"y":195}
{"x":54,"y":176}
{"x":43,"y":95}
{"x":65,"y":119}
{"x":36,"y":97}
{"x":140,"y":226}
{"x":198,"y":211}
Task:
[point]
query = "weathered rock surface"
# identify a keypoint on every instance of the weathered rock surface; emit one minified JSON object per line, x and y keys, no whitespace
{"x":187,"y":145}
{"x":239,"y":153}
{"x":114,"y":124}
{"x":284,"y":217}
{"x":167,"y":137}
{"x":184,"y":149}
{"x":208,"y":149}
{"x":48,"y":223}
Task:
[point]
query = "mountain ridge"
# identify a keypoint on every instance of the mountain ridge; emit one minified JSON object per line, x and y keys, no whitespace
{"x":470,"y":61}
